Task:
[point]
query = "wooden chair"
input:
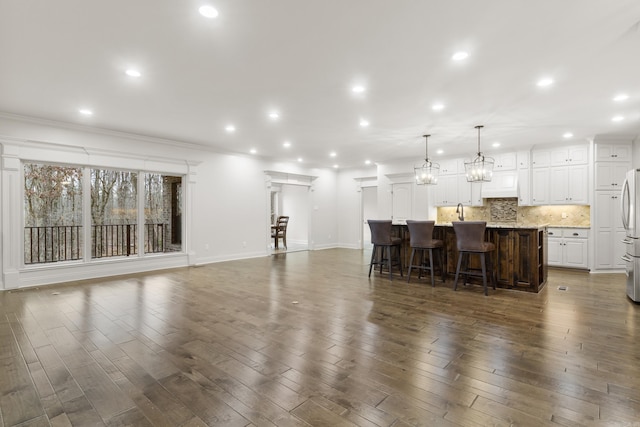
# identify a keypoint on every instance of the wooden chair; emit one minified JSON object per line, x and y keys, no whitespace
{"x":279,"y":230}
{"x":384,"y":242}
{"x":421,"y":239}
{"x":470,"y":241}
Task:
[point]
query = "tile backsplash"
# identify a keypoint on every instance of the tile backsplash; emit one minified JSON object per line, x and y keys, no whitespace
{"x":507,"y":210}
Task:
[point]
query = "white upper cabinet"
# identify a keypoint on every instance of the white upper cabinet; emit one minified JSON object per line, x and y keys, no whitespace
{"x":505,"y":162}
{"x":449,"y":167}
{"x":610,"y":175}
{"x":570,"y":155}
{"x":613,"y":152}
{"x":540,"y":186}
{"x":541,"y":158}
{"x":523,"y":159}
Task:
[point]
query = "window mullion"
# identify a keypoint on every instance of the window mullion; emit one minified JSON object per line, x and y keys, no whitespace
{"x":141,"y":213}
{"x":86,"y":214}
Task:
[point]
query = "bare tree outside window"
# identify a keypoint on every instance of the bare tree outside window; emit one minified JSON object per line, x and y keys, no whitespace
{"x":114,"y":213}
{"x":52,"y":213}
{"x":163,"y":213}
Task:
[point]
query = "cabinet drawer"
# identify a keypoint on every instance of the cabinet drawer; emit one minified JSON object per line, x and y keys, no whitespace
{"x":554,"y":232}
{"x":573,"y":233}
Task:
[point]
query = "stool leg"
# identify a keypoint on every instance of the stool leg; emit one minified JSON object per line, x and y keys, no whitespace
{"x":442,"y":266}
{"x":455,"y":283}
{"x":433,"y":280}
{"x":373,"y":254}
{"x":400,"y":259}
{"x":413,"y":252}
{"x":389,"y":261}
{"x":484,"y":272}
{"x":493,"y":270}
{"x":421,"y":268}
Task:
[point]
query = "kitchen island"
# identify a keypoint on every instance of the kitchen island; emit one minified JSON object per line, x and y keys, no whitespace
{"x":520,"y":258}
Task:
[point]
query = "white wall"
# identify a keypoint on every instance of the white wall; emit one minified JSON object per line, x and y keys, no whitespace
{"x":295,"y":204}
{"x":226,"y":196}
{"x":349,"y":204}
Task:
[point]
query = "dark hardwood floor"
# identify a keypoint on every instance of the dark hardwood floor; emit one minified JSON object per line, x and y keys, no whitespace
{"x":306,"y":338}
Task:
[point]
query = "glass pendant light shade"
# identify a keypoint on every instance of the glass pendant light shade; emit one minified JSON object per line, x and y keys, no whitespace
{"x":479,"y":169}
{"x":427,"y":174}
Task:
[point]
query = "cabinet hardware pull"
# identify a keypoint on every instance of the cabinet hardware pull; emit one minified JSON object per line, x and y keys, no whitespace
{"x":575,"y":234}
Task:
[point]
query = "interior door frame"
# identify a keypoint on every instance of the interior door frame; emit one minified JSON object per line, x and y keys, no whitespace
{"x":280,"y":178}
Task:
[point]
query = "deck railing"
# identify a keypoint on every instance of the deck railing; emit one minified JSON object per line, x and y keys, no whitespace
{"x":65,"y":242}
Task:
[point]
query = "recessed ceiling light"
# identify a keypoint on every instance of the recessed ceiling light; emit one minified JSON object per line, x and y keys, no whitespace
{"x":440,"y":151}
{"x":274,"y":115}
{"x":85,"y":112}
{"x":437,"y":107}
{"x":364,"y":123}
{"x":208,"y":11}
{"x":253,"y":151}
{"x":617,"y":119}
{"x":333,"y":154}
{"x":367,"y":162}
{"x":459,"y":56}
{"x":621,"y":97}
{"x":567,"y":135}
{"x":545,"y":82}
{"x":335,"y":166}
{"x":286,"y":144}
{"x":358,"y":89}
{"x":133,"y":73}
{"x":300,"y":159}
{"x":495,"y":144}
{"x":230,"y":128}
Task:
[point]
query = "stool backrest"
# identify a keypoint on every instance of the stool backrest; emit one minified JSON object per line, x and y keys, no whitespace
{"x":380,"y":231}
{"x":420,"y":233}
{"x":469,"y":234}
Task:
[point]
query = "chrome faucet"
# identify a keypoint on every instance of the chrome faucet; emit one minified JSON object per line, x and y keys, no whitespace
{"x":460,"y":211}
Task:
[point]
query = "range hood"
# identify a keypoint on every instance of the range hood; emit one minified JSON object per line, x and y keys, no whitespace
{"x":503,"y":184}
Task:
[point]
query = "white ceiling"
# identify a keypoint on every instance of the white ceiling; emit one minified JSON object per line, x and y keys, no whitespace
{"x":301,"y":58}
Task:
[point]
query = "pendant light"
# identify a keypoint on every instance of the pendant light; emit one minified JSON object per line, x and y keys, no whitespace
{"x":479,"y":169}
{"x":427,"y":174}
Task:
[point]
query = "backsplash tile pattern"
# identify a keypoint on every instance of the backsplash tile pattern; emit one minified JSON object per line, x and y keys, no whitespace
{"x":507,"y":211}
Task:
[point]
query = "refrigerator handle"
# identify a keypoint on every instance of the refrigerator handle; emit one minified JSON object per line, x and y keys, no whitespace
{"x":625,"y":193}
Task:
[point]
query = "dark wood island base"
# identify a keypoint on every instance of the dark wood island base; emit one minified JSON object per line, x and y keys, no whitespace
{"x":520,"y":258}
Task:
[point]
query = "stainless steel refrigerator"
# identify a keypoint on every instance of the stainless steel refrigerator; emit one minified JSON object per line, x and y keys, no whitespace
{"x":631,"y":222}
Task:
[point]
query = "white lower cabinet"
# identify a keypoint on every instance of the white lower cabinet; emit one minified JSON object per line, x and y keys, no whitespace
{"x":609,"y":232}
{"x":568,"y":247}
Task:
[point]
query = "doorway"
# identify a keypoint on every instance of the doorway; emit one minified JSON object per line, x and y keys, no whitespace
{"x":291,"y":200}
{"x":369,"y":211}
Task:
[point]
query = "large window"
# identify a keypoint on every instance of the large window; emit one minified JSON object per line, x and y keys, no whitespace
{"x":162,"y":213}
{"x":52,"y":213}
{"x":114,"y":213}
{"x":55,"y":225}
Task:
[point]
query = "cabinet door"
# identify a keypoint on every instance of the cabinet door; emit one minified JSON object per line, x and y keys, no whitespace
{"x":524,"y":187}
{"x":619,"y":173}
{"x":476,"y":194}
{"x":503,"y":239}
{"x":446,"y":191}
{"x":523,"y":159}
{"x":604,"y":175}
{"x":578,"y":154}
{"x":449,"y":167}
{"x":575,"y":253}
{"x":526,"y":259}
{"x":541,"y":158}
{"x":540,"y":186}
{"x":402,"y":198}
{"x":603,"y":249}
{"x":558,"y":191}
{"x":506,"y":161}
{"x":578,"y":185}
{"x":613,"y":152}
{"x":559,"y":156}
{"x":554,"y":251}
{"x":464,"y":190}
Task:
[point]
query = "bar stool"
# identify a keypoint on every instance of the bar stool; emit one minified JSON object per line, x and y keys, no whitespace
{"x":470,"y":240}
{"x":421,"y":239}
{"x":383,"y":241}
